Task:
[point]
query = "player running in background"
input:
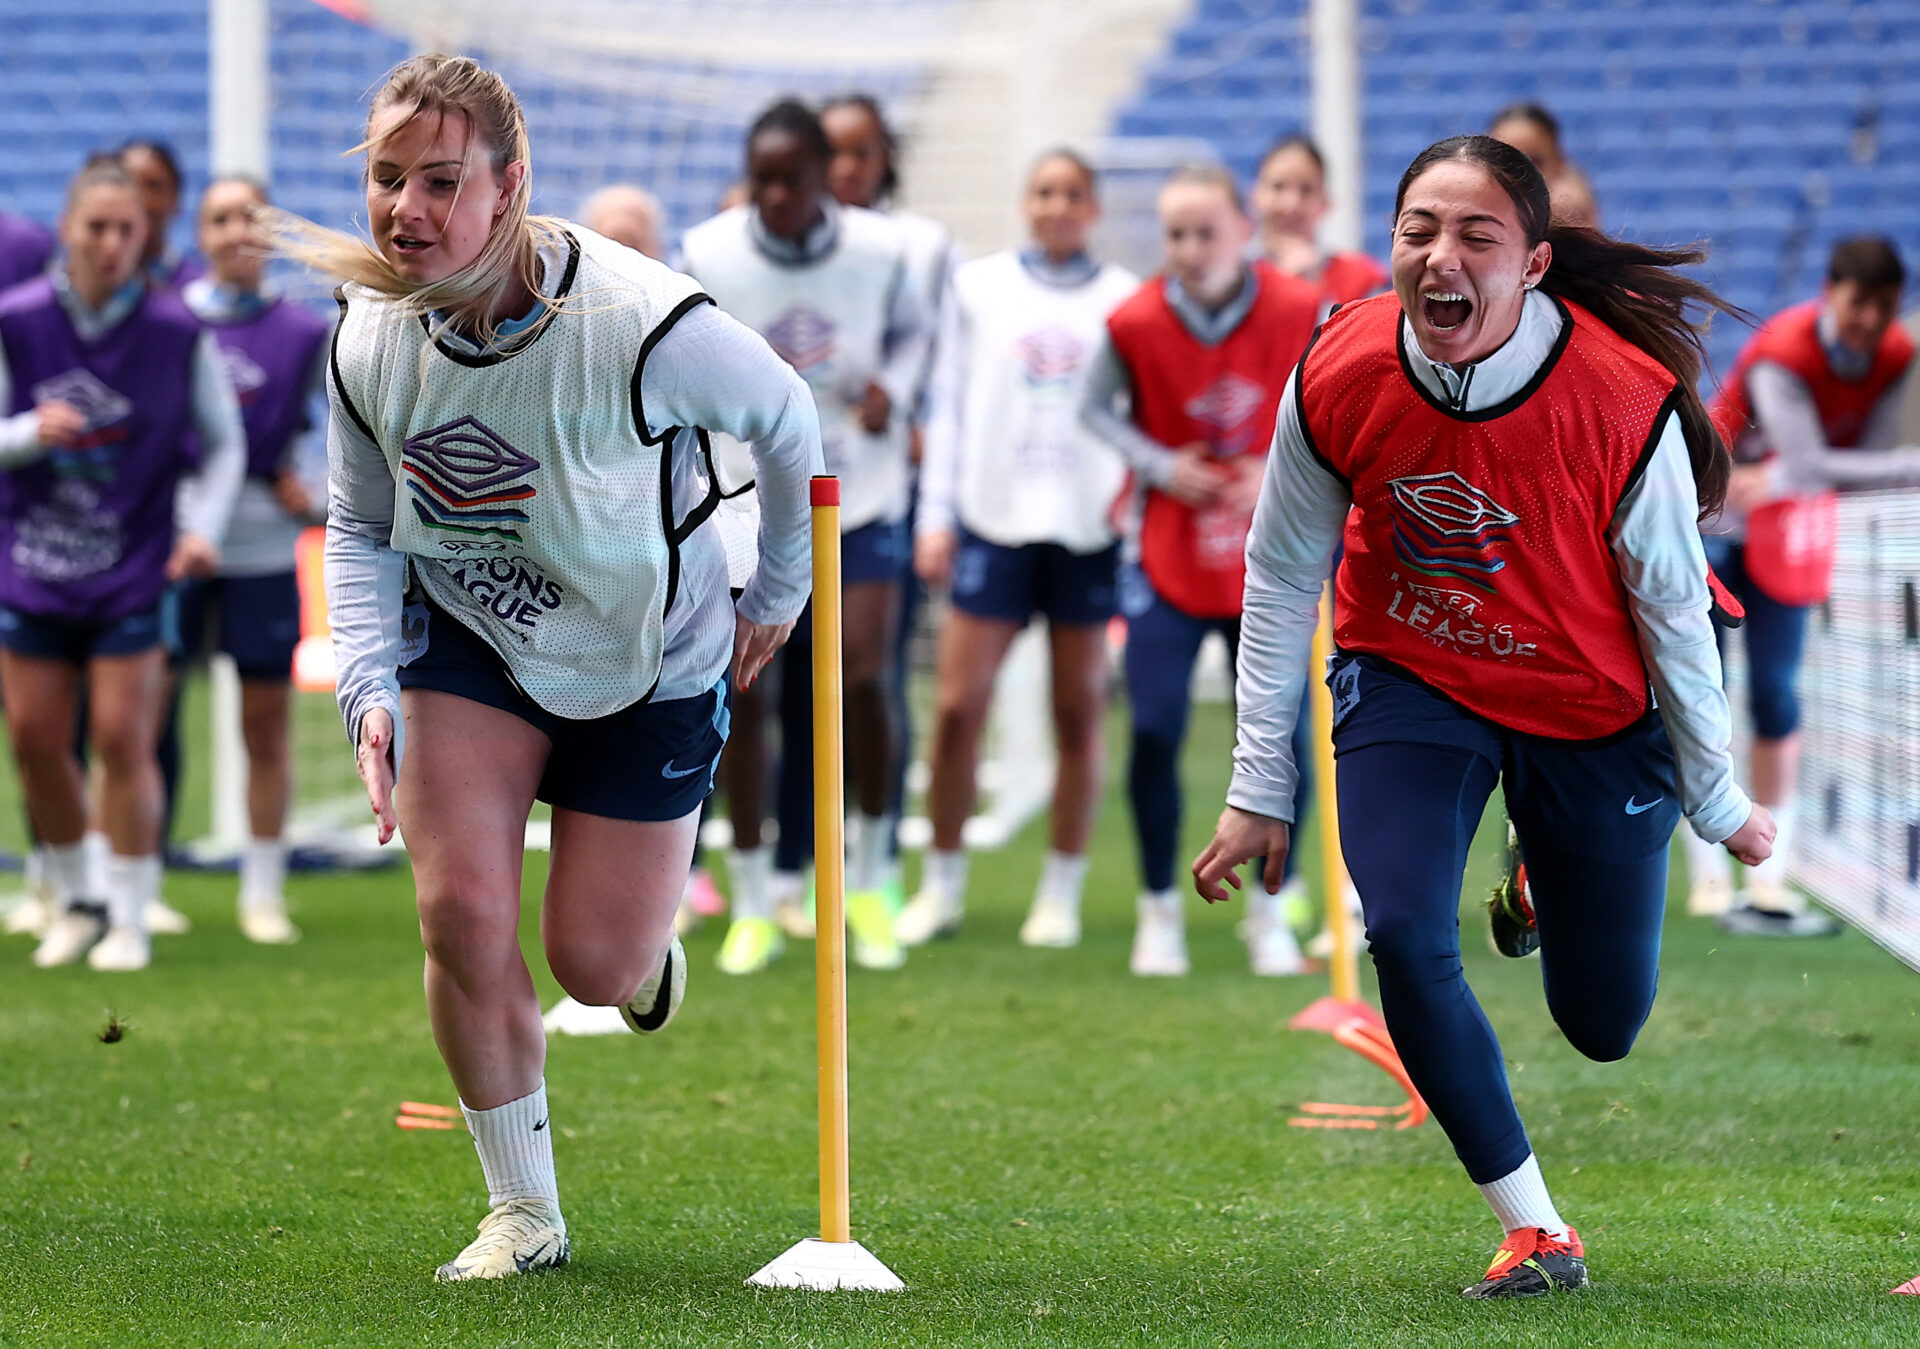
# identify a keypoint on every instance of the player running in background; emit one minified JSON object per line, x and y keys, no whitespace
{"x":865,"y":171}
{"x":276,"y":358}
{"x":1016,"y":516}
{"x":1812,"y":405}
{"x":1513,"y":449}
{"x":104,"y":378}
{"x":1535,"y":133}
{"x":829,"y":287}
{"x":1290,"y":201}
{"x":1201,"y":352}
{"x":513,"y":405}
{"x":628,"y":215}
{"x":156,"y":168}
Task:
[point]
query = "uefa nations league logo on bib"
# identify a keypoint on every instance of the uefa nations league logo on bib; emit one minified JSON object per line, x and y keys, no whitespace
{"x":1444,"y":526}
{"x":465,"y":478}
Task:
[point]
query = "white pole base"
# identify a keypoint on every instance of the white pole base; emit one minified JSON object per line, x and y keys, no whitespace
{"x":827,"y":1266}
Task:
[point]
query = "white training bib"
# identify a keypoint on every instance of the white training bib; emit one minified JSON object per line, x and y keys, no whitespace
{"x":1029,"y":472}
{"x":534,"y":505}
{"x":828,"y":320}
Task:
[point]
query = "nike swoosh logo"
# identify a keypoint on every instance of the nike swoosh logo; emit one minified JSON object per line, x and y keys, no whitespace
{"x":1633,"y":809}
{"x":541,"y":1125}
{"x":669,"y":771}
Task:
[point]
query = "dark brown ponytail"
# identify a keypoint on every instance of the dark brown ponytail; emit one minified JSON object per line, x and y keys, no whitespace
{"x":1631,"y":288}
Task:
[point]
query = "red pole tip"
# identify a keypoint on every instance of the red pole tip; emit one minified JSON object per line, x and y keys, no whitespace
{"x":825,"y":490}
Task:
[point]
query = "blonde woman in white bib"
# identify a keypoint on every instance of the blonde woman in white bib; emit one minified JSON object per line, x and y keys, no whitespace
{"x":528,"y":594}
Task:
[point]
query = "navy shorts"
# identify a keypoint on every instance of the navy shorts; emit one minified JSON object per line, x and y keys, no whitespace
{"x":1616,"y":798}
{"x":254,"y":619}
{"x":991,"y":580}
{"x":650,"y":761}
{"x":875,"y":552}
{"x":76,"y":640}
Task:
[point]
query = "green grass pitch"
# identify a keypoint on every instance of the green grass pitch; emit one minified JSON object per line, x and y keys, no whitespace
{"x":1048,"y":1150}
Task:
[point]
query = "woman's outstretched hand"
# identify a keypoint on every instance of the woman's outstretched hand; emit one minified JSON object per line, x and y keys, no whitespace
{"x":1239,"y":837}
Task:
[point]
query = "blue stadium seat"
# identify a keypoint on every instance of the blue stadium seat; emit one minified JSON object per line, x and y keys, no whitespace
{"x":1766,"y":130}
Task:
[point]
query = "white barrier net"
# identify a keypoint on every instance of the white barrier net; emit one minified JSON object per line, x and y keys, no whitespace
{"x":1858,"y":842}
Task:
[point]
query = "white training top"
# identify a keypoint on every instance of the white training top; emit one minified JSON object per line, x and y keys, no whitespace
{"x":548,"y":493}
{"x":1298,"y":522}
{"x":933,"y":257}
{"x":836,"y":318}
{"x":1006,"y":454}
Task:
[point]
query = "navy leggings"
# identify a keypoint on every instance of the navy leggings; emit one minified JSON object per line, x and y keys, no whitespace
{"x":1162,"y":645}
{"x":1775,"y":634}
{"x":1408,"y":814}
{"x":793,"y":781}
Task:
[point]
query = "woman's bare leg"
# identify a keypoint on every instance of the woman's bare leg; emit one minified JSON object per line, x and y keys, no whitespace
{"x":464,"y":794}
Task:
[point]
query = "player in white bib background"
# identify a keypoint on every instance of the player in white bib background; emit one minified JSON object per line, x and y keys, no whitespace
{"x":1017,"y":338}
{"x":864,"y":171}
{"x":829,"y":286}
{"x":524,"y":578}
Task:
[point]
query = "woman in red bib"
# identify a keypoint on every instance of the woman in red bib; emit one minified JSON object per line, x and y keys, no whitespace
{"x":1202,"y":352}
{"x":1514,"y":452}
{"x":1290,"y":200}
{"x":1812,"y":405}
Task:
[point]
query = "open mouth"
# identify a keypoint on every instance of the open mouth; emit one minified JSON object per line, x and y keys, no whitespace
{"x":408,"y":246}
{"x":1445,"y":310}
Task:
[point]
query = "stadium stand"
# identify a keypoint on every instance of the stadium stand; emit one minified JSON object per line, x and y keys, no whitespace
{"x":1768,"y":129}
{"x":77,"y":84}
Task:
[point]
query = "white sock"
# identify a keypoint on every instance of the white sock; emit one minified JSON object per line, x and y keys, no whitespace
{"x":99,"y":849}
{"x":1766,"y":884}
{"x":1520,"y":1199}
{"x":869,"y":844}
{"x":1167,"y":903}
{"x":263,"y":870}
{"x":36,"y":877}
{"x":1708,"y":864}
{"x":1261,"y":906}
{"x":749,"y":869}
{"x":946,"y":875}
{"x":786,"y":887}
{"x":66,"y":873}
{"x":1062,"y":876}
{"x":132,"y":882}
{"x":515,"y":1144}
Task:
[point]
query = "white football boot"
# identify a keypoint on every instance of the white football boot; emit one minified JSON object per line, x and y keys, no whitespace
{"x":659,"y":997}
{"x":928,"y":915}
{"x":268,"y":924}
{"x":1051,"y":922}
{"x":123,"y":949}
{"x":518,"y":1237}
{"x":74,"y":931}
{"x":29,"y":917}
{"x":1160,"y":939}
{"x":164,"y":920}
{"x":1273,"y":950}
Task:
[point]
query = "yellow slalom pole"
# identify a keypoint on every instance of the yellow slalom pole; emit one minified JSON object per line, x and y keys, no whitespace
{"x":833,"y":1260}
{"x":1344,"y":972}
{"x":829,"y":863}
